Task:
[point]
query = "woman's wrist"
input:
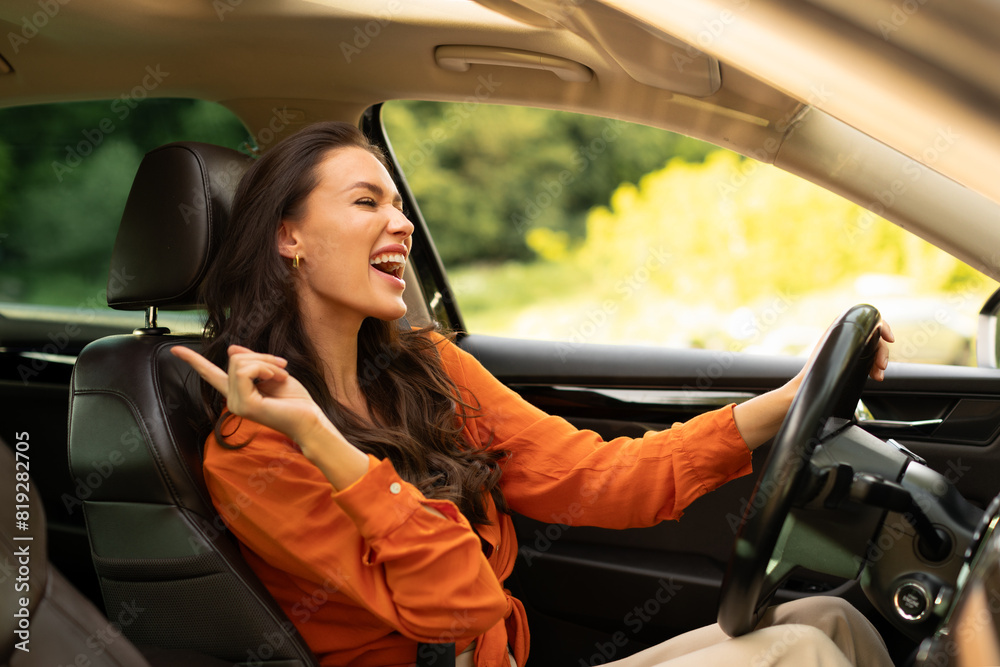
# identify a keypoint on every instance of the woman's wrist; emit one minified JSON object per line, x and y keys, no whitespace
{"x":759,"y":419}
{"x":322,"y":443}
{"x":309,"y":427}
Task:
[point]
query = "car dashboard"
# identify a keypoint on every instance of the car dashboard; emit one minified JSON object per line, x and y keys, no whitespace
{"x":971,"y":629}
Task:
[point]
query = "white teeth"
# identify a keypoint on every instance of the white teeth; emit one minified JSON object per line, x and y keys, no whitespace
{"x":396,"y":258}
{"x":389,"y":262}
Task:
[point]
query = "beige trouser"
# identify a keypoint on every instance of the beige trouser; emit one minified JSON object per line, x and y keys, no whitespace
{"x":464,"y":659}
{"x":811,"y":632}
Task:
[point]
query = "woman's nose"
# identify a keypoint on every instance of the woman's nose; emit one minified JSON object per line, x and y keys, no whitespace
{"x":400,"y":225}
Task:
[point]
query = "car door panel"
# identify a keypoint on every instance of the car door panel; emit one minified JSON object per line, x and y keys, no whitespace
{"x":611,"y":582}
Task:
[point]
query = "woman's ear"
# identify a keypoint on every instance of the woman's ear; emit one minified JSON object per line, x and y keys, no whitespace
{"x":288,"y":241}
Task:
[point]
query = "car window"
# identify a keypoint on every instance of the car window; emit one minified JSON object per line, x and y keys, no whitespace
{"x":564,"y":227}
{"x":65,"y":173}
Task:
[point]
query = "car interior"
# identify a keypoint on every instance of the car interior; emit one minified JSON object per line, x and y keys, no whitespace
{"x":896,"y":509}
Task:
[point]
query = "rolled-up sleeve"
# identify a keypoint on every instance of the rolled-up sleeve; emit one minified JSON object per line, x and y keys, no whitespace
{"x":375,"y":541}
{"x":559,"y":474}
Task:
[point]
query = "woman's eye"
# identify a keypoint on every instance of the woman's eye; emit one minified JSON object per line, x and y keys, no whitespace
{"x":367,"y":201}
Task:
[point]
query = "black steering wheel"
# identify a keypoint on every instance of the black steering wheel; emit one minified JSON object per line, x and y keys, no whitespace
{"x":831,"y":388}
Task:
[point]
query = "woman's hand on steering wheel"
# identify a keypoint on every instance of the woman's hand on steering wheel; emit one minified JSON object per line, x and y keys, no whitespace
{"x":759,"y":419}
{"x":881,"y":362}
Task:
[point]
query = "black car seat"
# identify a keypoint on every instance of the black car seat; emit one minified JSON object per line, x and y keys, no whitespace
{"x":44,"y":620}
{"x":155,"y":537}
{"x":156,"y":540}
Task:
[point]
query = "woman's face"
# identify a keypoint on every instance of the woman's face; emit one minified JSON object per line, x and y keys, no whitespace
{"x":352,"y":241}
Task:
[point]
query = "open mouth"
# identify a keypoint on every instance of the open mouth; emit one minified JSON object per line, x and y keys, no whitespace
{"x":391,"y":263}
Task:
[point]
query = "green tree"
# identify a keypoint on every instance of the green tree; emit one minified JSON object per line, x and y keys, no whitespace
{"x":74,"y":164}
{"x":778,"y":233}
{"x":485,"y":175}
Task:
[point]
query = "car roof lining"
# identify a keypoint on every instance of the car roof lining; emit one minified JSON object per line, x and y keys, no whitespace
{"x":274,"y":92}
{"x":855,"y":166}
{"x":906,"y":93}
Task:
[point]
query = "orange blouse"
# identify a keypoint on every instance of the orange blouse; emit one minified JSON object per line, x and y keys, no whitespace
{"x":365,"y":573}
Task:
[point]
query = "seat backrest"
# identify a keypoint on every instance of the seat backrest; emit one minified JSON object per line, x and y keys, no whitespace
{"x":170,"y":573}
{"x":47,"y":621}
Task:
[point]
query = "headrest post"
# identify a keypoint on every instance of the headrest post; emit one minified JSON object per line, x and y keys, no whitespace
{"x":151,"y":329}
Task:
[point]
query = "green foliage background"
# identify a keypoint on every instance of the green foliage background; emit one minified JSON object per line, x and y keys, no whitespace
{"x":485,"y":175}
{"x":65,"y":173}
{"x":551,"y":224}
{"x":583,"y":229}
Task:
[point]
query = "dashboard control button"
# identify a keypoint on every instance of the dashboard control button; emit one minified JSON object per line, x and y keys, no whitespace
{"x":912,"y":600}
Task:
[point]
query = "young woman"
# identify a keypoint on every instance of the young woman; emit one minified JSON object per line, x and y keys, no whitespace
{"x":369,"y":472}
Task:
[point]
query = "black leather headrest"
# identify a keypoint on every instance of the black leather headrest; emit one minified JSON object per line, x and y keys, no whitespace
{"x":173,"y":221}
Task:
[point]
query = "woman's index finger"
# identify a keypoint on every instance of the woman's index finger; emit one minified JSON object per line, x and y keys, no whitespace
{"x":209,"y":372}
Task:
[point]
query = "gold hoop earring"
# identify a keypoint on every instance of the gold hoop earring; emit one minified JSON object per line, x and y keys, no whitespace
{"x":295,"y":262}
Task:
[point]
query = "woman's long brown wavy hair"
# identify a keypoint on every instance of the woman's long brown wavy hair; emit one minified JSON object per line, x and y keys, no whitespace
{"x":416,"y":409}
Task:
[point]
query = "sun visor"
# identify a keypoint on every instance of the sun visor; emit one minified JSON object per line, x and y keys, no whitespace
{"x":666,"y":62}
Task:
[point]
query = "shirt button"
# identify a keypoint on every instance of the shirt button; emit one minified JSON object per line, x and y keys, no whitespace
{"x":395,"y":487}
